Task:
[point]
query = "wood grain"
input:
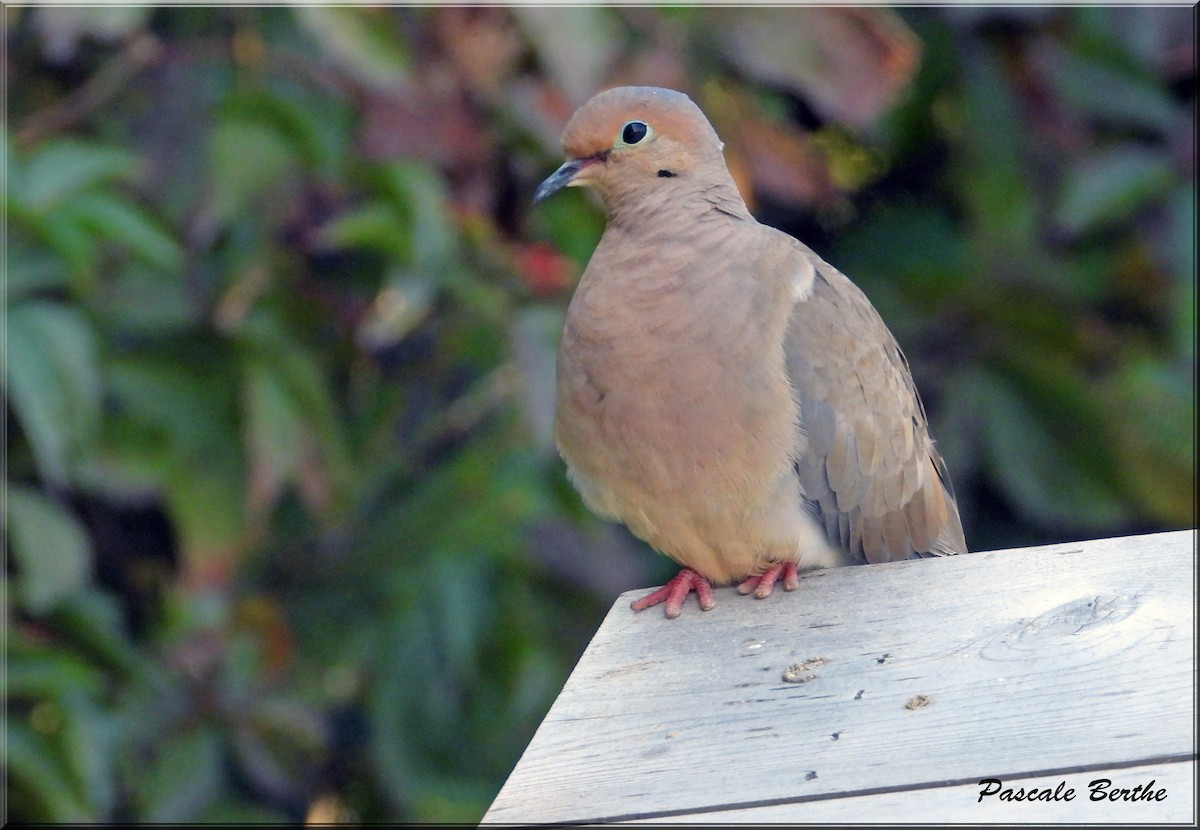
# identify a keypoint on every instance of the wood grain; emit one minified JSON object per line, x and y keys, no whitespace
{"x":1035,"y":661}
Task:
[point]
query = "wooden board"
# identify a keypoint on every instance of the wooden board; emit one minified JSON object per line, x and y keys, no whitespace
{"x":924,"y":678}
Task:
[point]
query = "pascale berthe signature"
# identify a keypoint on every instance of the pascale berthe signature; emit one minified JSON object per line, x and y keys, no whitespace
{"x":1099,"y":789}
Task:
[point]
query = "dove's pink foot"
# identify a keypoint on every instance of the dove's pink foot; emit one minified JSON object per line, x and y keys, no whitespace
{"x":676,"y":591}
{"x":762,"y":584}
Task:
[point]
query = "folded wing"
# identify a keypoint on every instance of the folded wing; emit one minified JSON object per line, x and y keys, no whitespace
{"x":869,"y":465}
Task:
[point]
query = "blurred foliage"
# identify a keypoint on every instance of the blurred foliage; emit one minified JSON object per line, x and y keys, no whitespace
{"x":286,"y":536}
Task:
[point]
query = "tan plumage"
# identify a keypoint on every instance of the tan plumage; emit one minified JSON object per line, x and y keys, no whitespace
{"x":730,"y":396}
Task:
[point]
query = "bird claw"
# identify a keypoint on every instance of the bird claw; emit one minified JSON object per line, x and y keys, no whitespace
{"x":764,"y":583}
{"x":676,"y":591}
{"x":687,"y":580}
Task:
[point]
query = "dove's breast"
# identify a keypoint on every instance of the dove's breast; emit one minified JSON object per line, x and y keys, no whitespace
{"x":661,"y":431}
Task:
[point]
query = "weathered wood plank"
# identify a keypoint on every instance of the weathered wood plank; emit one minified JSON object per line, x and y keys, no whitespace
{"x":951,"y":805}
{"x":1032,"y":660}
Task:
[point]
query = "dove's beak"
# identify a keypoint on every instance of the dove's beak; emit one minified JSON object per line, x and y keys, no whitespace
{"x":565,"y":176}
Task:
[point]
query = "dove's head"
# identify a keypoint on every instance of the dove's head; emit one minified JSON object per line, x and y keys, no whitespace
{"x":631,"y":138}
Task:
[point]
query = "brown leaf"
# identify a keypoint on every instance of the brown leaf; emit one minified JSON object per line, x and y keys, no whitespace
{"x":766,"y":158}
{"x":432,"y":121}
{"x":850,"y":64}
{"x":784,"y":165}
{"x":482,"y":44}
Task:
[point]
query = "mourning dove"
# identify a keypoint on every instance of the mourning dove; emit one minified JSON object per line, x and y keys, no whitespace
{"x":722,"y":390}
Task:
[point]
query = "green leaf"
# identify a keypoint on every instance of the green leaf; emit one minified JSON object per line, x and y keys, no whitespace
{"x":50,"y":547}
{"x":1107,"y":187}
{"x":115,"y":218}
{"x":73,"y":243}
{"x":1181,"y":253}
{"x":183,"y":400}
{"x":206,"y":502}
{"x":993,"y":173}
{"x":93,"y":619}
{"x":36,"y":671}
{"x":362,"y":40}
{"x":1154,"y":412}
{"x":191,"y":402}
{"x":241,"y":813}
{"x":273,"y":429}
{"x":32,"y":268}
{"x":1034,"y":467}
{"x":53,"y":383}
{"x":132,"y":459}
{"x":573,"y":225}
{"x":40,"y":776}
{"x":390,"y":702}
{"x":183,"y":780}
{"x":303,"y":380}
{"x":915,"y":247}
{"x":89,"y":742}
{"x":63,"y":168}
{"x":1113,"y":95}
{"x":298,"y":126}
{"x":146,"y":300}
{"x":375,"y":225}
{"x":421,"y":195}
{"x":247,"y":159}
{"x":443,"y":799}
{"x":460,"y":612}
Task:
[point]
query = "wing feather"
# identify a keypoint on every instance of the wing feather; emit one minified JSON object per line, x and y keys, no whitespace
{"x":869,"y":466}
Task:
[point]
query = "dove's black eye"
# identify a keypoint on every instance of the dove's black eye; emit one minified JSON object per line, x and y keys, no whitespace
{"x":634,"y":131}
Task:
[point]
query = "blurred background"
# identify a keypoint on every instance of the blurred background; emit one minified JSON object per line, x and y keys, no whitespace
{"x":287,"y":538}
